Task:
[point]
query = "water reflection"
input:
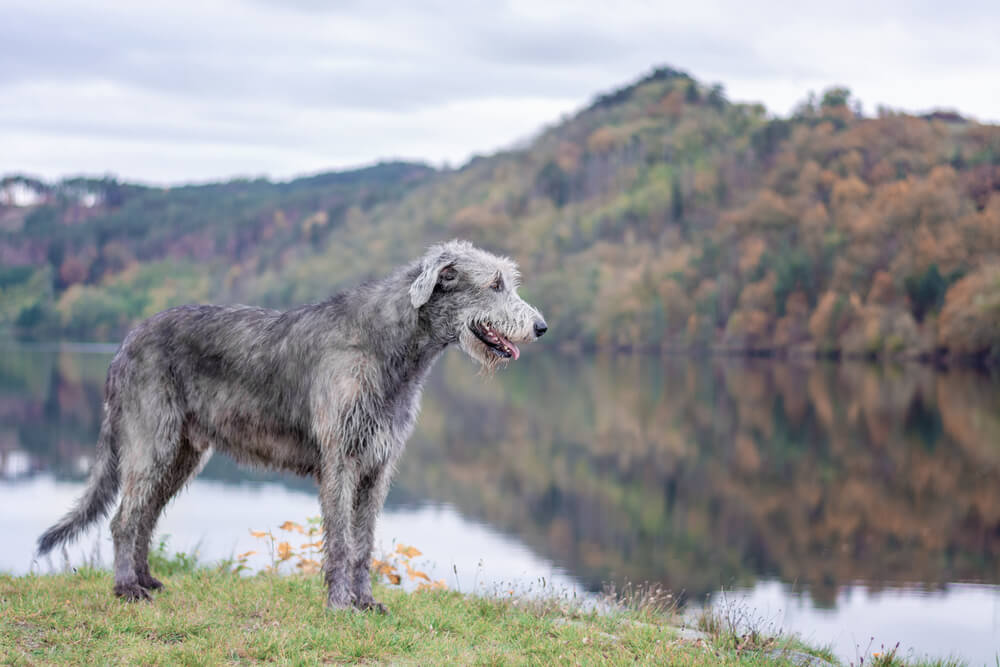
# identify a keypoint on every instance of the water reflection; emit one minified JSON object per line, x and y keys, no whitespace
{"x":962,"y":621}
{"x":213,"y":519}
{"x":696,"y":474}
{"x":700,"y":475}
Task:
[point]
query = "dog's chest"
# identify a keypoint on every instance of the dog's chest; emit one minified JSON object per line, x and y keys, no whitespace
{"x":367,"y":413}
{"x":384,"y":426}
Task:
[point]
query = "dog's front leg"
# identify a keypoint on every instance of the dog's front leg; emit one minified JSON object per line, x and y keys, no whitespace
{"x":337,"y":486}
{"x":368,"y":502}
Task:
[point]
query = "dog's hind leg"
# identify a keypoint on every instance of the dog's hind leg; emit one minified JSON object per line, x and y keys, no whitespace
{"x":150,"y":447}
{"x":125,"y":531}
{"x":174,"y":475}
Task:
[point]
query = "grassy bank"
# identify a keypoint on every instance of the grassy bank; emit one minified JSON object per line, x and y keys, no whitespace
{"x":208,"y":616}
{"x":213,"y":616}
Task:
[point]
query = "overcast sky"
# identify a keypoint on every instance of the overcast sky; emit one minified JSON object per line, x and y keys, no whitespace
{"x":180,"y":91}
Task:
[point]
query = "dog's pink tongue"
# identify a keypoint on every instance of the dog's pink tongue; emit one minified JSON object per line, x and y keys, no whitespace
{"x":513,"y":348}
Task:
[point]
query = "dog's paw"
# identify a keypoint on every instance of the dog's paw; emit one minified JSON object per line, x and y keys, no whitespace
{"x":371,"y":604}
{"x":132,"y":592}
{"x":336,"y":604}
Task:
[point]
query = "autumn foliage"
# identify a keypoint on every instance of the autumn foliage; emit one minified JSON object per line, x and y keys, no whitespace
{"x":307,"y":556}
{"x":660,"y":216}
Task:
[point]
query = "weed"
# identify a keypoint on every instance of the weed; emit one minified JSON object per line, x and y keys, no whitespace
{"x":307,"y":556}
{"x":162,"y":562}
{"x":646,"y":599}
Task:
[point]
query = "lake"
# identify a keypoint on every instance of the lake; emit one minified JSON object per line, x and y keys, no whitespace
{"x":855,"y":504}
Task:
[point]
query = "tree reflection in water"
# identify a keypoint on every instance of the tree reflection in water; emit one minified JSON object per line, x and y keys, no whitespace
{"x":692,"y":473}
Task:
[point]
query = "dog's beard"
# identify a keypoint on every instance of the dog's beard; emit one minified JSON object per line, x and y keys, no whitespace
{"x":488,"y":360}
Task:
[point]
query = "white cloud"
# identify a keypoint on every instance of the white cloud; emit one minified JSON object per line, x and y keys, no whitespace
{"x":181,"y":91}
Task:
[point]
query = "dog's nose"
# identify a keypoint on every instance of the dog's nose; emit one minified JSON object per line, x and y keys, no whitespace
{"x":540,"y":328}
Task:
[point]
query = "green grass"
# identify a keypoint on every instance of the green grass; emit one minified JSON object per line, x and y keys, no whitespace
{"x":212,"y":616}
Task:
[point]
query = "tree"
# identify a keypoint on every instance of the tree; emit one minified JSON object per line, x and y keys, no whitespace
{"x":717,"y":96}
{"x":691,"y":94}
{"x":676,"y":198}
{"x":837,"y":96}
{"x":970,"y":319}
{"x":926,"y":291}
{"x":553,"y":182}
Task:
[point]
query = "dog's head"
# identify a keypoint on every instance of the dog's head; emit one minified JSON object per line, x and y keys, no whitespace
{"x":471,"y":296}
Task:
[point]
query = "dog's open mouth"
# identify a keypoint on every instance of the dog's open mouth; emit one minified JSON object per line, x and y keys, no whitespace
{"x":492,"y":339}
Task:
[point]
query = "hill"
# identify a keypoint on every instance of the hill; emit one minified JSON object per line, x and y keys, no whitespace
{"x":86,"y":258}
{"x":660,"y":216}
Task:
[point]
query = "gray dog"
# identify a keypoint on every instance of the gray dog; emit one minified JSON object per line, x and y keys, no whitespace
{"x":330,"y":390}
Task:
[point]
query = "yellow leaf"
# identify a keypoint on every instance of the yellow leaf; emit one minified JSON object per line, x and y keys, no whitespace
{"x":409,"y":552}
{"x":312,"y":545}
{"x":415,"y":574}
{"x":438,"y":585}
{"x":291,"y":525}
{"x":259,"y":533}
{"x":245,"y":555}
{"x":394,"y":578}
{"x":382,"y":567}
{"x":284,"y":551}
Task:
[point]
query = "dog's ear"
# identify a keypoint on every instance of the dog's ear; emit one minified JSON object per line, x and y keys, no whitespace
{"x":436,"y":269}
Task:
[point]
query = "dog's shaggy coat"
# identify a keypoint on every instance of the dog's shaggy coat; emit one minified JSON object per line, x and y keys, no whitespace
{"x":329,"y":390}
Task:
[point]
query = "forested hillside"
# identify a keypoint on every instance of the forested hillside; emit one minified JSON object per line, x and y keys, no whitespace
{"x":86,"y":258}
{"x":661,"y":216}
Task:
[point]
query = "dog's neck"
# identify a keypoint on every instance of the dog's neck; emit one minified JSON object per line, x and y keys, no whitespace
{"x":389,"y":327}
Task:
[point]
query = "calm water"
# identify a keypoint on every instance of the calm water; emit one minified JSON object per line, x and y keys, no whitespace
{"x":840,"y":501}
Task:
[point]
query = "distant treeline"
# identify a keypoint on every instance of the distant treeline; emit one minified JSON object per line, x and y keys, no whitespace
{"x":661,"y":216}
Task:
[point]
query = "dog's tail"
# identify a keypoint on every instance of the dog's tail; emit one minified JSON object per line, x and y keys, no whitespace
{"x":102,"y":487}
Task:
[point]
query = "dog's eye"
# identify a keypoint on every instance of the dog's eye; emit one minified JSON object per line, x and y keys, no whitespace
{"x":497,"y":284}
